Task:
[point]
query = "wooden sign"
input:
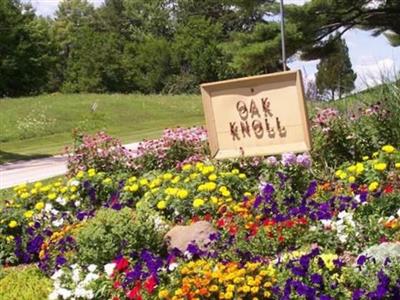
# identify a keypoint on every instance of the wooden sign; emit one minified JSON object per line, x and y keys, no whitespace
{"x":258,"y":115}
